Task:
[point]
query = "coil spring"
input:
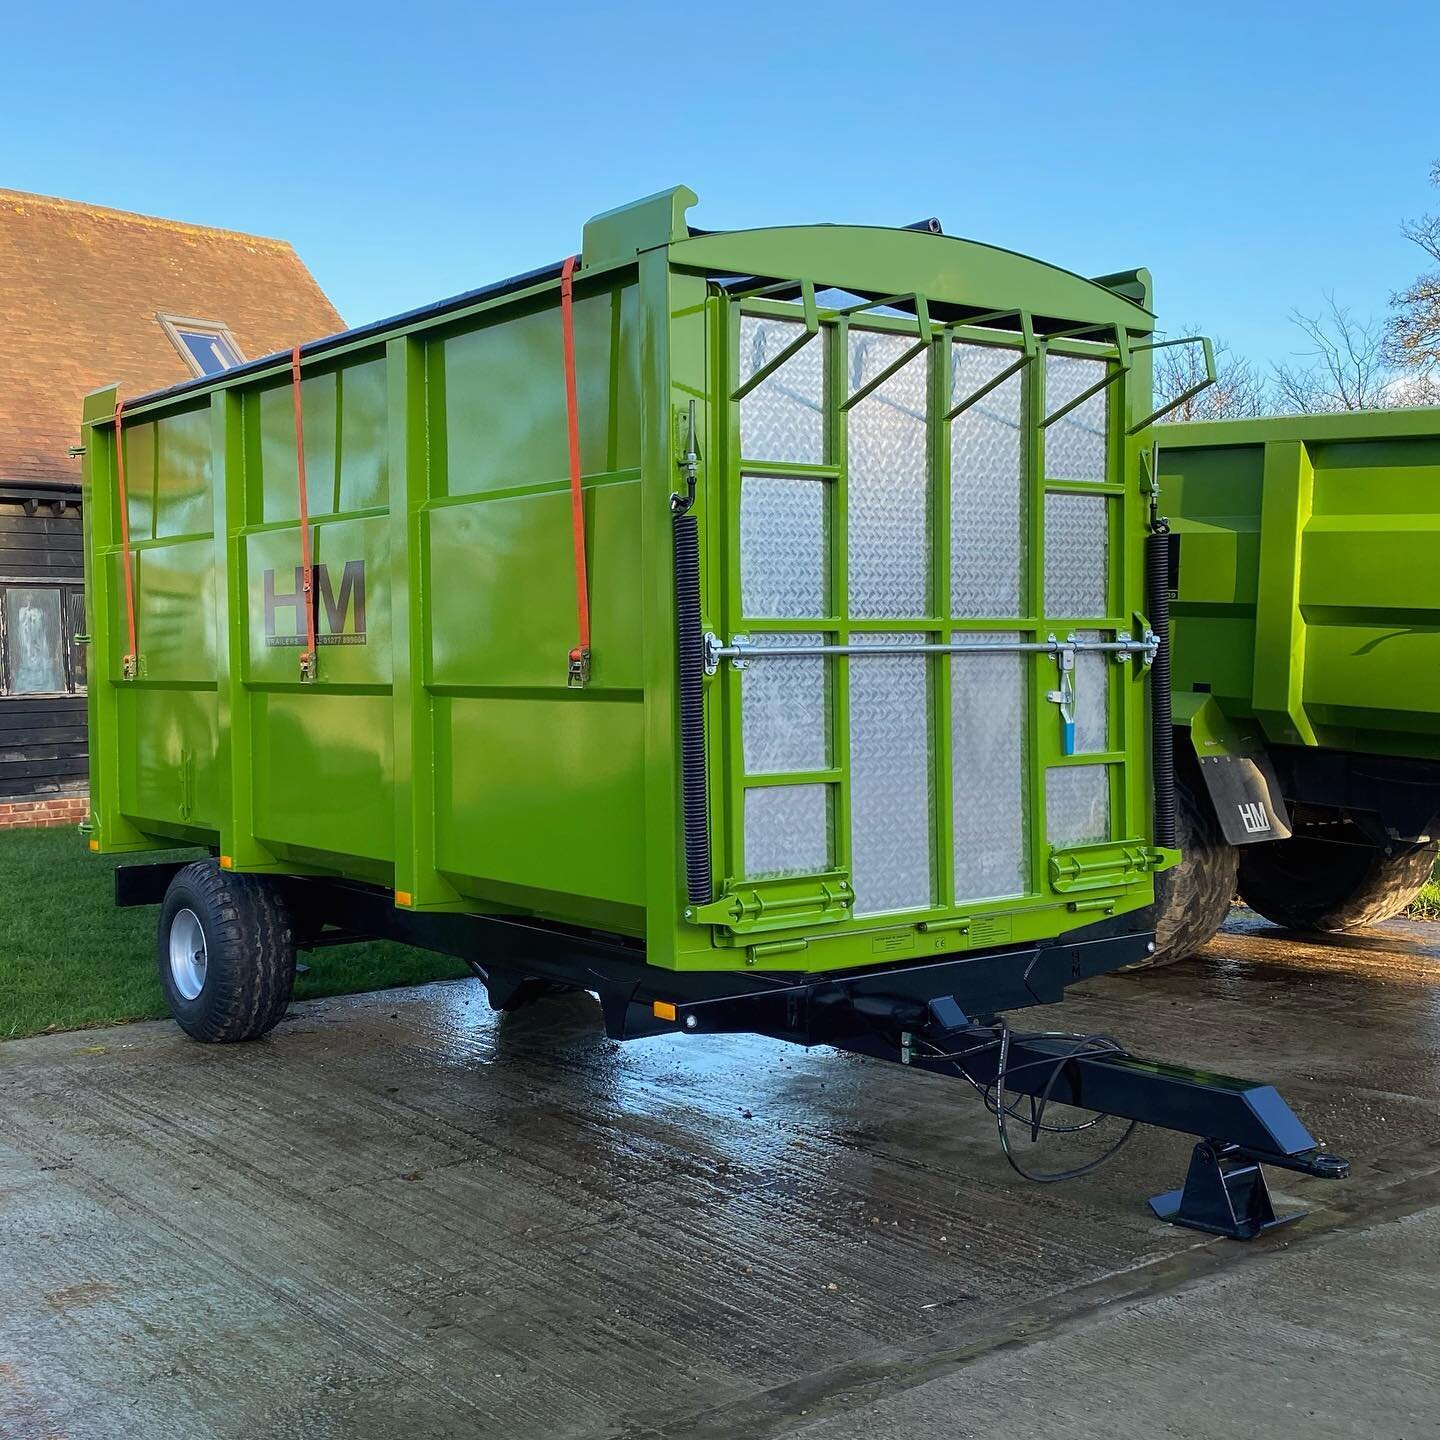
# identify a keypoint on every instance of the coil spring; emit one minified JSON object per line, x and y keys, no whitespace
{"x":694,"y":787}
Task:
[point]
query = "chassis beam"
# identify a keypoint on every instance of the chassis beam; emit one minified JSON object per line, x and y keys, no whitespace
{"x":916,"y":1014}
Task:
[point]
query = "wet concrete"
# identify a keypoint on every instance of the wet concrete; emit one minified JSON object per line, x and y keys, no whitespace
{"x":404,"y":1215}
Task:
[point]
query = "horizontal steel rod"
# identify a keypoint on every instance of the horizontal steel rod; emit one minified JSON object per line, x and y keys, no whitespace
{"x":1038,"y":647}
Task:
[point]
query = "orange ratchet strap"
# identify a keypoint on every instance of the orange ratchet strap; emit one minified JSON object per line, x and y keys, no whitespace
{"x":578,"y":672}
{"x":307,"y":583}
{"x":130,"y":665}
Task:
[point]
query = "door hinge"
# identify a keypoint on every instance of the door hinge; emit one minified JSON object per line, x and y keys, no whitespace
{"x":1110,"y":864}
{"x":749,"y":907}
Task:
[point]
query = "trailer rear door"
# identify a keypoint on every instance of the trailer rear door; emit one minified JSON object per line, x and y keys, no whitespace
{"x":897,"y":511}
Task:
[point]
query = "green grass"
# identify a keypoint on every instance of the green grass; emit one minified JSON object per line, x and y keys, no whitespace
{"x":70,"y":959}
{"x":1426,"y":905}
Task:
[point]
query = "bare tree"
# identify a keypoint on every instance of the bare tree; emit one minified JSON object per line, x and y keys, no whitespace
{"x":1415,"y":389}
{"x":1346,"y":369}
{"x":1237,"y":394}
{"x":1412,"y":342}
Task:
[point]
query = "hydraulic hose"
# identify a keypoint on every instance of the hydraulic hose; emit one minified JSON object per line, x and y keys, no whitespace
{"x":694,"y":786}
{"x":1157,"y":588}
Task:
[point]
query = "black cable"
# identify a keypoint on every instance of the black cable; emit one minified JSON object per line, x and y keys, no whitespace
{"x":1109,"y":1047}
{"x":993,"y":1095}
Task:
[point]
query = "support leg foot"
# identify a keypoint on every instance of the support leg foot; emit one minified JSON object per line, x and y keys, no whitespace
{"x":1224,"y":1193}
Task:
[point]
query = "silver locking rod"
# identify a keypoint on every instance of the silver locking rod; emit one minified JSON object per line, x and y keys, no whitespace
{"x":741,"y":649}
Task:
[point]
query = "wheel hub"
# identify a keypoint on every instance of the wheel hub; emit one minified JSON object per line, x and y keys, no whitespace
{"x":189,"y":958}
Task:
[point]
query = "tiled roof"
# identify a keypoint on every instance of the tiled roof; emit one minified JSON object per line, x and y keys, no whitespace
{"x":80,"y":288}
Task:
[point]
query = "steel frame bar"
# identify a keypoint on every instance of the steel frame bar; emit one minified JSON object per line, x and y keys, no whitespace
{"x":995,"y":381}
{"x":1190,"y":392}
{"x":895,"y":366}
{"x":1112,"y":374}
{"x":1173,"y":1097}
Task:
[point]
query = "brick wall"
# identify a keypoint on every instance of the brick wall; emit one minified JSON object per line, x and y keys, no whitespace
{"x":53,"y":810}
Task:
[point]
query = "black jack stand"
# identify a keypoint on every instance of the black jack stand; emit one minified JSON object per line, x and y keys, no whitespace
{"x":1225,"y":1192}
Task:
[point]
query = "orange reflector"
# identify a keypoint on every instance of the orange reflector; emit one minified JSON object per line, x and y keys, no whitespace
{"x":226,"y":863}
{"x":664,"y":1010}
{"x":404,"y":897}
{"x":94,"y":844}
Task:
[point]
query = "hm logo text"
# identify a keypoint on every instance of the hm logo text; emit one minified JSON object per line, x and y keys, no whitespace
{"x":339,"y":614}
{"x":1254,"y":818}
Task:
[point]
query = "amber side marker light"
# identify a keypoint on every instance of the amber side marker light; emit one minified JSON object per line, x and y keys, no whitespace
{"x":404,"y":897}
{"x":663,"y":1009}
{"x":226,"y":863}
{"x":94,"y":844}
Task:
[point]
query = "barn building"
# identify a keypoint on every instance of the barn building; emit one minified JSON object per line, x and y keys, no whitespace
{"x":90,"y":297}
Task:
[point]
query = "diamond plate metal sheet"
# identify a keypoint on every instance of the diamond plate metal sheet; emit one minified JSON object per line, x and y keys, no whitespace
{"x":888,"y":473}
{"x":1077,"y":804}
{"x":784,"y":717}
{"x":990,"y":716}
{"x":787,"y":830}
{"x":1077,"y":556}
{"x":1075,"y":446}
{"x":783,"y":417}
{"x":1092,"y":695}
{"x":986,"y":490}
{"x":891,"y":780}
{"x":783,"y":548}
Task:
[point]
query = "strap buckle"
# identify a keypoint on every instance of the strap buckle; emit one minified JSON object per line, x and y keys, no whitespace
{"x":578,"y":674}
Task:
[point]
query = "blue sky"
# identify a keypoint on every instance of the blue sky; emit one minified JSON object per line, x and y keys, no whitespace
{"x":1254,"y":157}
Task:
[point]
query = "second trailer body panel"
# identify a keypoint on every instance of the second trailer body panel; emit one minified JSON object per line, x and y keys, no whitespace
{"x":1307,"y":596}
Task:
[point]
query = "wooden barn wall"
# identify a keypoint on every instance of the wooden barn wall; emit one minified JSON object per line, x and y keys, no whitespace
{"x":42,"y":546}
{"x":42,"y":738}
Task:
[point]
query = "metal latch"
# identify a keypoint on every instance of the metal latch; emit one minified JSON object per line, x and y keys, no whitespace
{"x":689,"y":462}
{"x":1064,"y":697}
{"x":578,"y":674}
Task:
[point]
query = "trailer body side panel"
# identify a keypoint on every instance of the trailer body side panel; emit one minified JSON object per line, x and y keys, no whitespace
{"x":916,"y":460}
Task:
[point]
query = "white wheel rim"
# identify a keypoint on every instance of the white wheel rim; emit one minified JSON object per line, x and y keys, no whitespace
{"x":189,"y":959}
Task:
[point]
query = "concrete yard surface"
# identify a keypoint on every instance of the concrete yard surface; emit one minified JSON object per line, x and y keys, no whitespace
{"x":404,"y":1215}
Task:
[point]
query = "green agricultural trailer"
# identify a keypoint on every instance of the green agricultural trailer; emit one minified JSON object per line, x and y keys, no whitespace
{"x":1306,"y":617}
{"x":750,"y":628}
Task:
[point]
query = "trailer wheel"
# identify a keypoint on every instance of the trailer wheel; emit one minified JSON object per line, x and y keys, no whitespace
{"x":1306,"y":883}
{"x":226,"y":953}
{"x":1192,"y":900}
